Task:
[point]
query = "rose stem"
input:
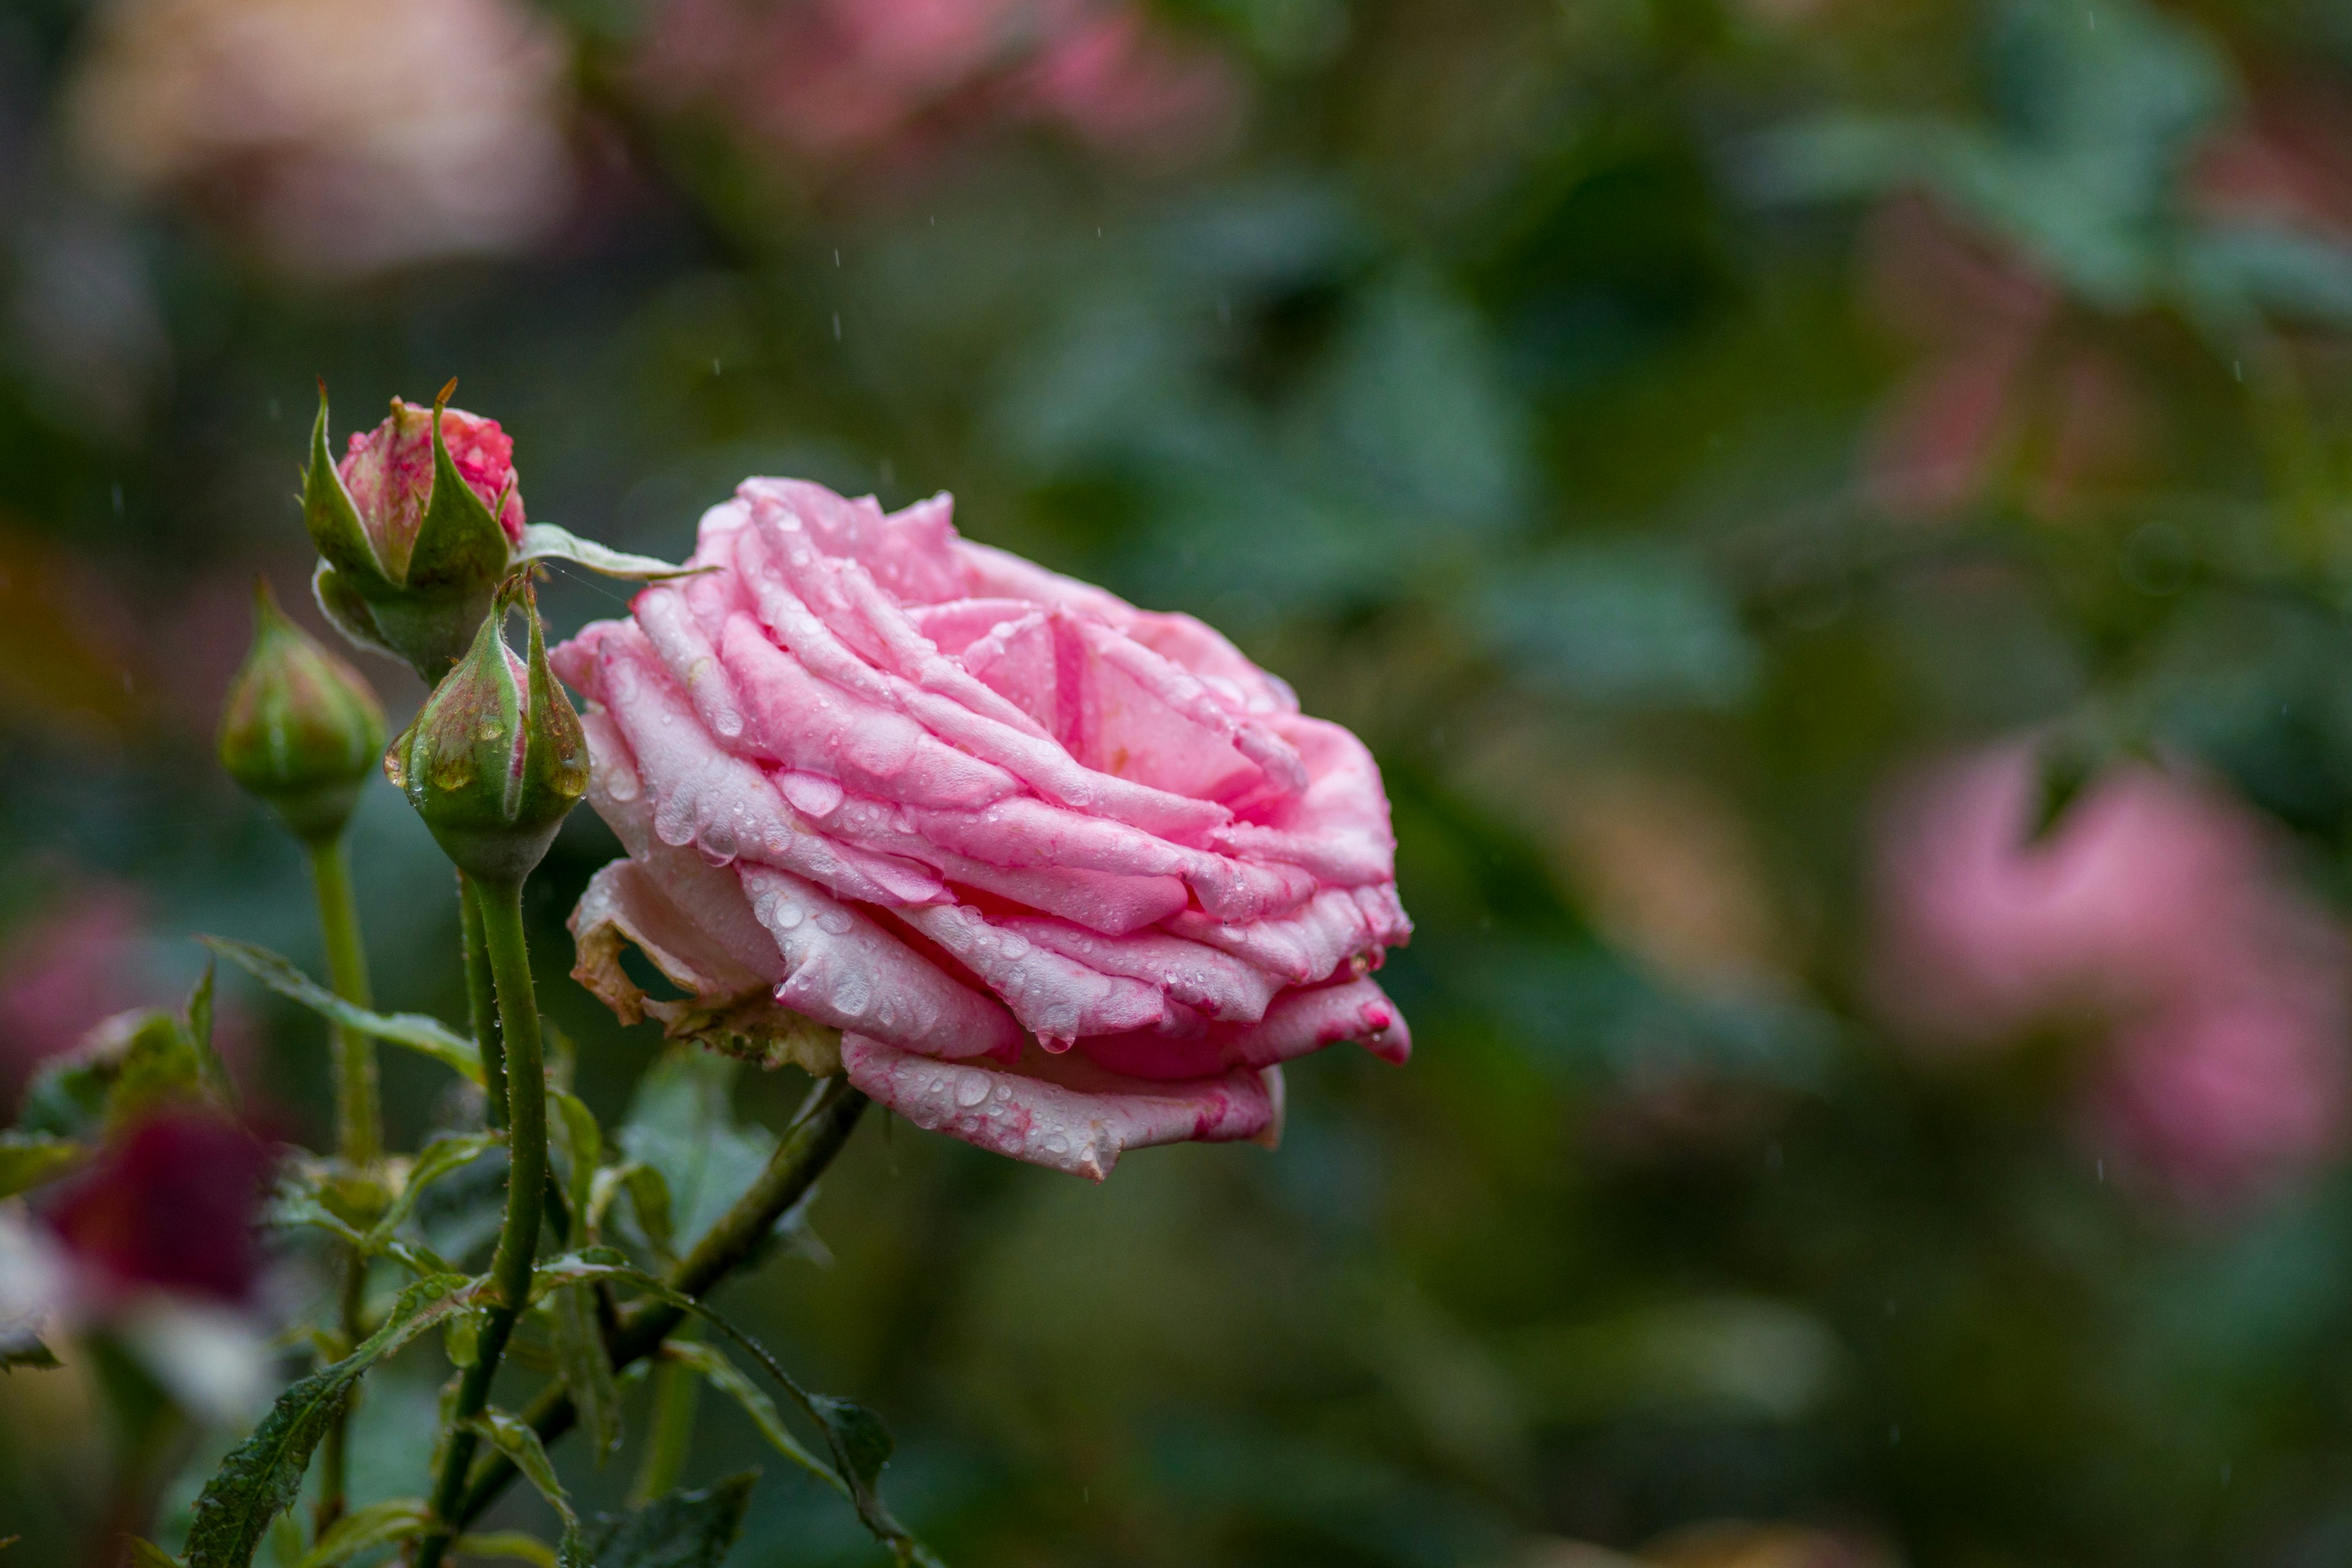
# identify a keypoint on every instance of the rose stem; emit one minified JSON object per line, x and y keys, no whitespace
{"x":359,"y":1120}
{"x":359,"y":1117}
{"x":481,"y":997}
{"x":809,"y":1146}
{"x":501,"y":911}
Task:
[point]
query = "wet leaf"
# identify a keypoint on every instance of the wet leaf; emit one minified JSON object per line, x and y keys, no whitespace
{"x":261,"y":1476}
{"x":413,"y":1030}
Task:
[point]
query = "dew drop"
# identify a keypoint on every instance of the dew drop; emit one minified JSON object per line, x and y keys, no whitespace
{"x":972,"y":1088}
{"x":836,"y":922}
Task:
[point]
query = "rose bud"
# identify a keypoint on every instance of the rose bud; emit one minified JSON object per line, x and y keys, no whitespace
{"x":1069,"y":877}
{"x":419,"y":525}
{"x":494,"y":760}
{"x":300,"y":728}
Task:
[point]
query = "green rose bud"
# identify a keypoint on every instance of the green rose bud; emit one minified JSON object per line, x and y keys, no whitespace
{"x":496,"y":758}
{"x":300,"y":728}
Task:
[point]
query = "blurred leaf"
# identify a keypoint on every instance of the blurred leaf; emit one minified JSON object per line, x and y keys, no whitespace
{"x":198,"y":1017}
{"x":1622,"y":623}
{"x":28,"y":1351}
{"x":1688,"y":1360}
{"x":509,"y":1545}
{"x":2095,"y":113}
{"x":26,"y":1159}
{"x":2237,"y":272}
{"x":681,"y":1125}
{"x":582,"y":1144}
{"x":364,"y":1530}
{"x":435,"y":1161}
{"x":145,"y":1553}
{"x":1416,"y":413}
{"x":127,"y":1065}
{"x":682,"y":1530}
{"x":586,"y":1370}
{"x":415,"y":1030}
{"x":260,"y":1477}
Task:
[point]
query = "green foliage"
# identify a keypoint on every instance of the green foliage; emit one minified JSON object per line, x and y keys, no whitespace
{"x":129,"y":1064}
{"x":378,"y":1525}
{"x":682,"y":1530}
{"x":260,"y":1477}
{"x":682,"y":1130}
{"x":28,"y":1159}
{"x":510,"y":1435}
{"x":426,"y":1035}
{"x":858,"y":1442}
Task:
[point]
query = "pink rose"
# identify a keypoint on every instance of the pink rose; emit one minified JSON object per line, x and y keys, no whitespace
{"x":1070,"y":877}
{"x":389,"y":474}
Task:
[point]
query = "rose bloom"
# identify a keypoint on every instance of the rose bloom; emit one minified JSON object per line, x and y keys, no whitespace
{"x":2153,"y":915}
{"x":829,"y":80}
{"x":1069,"y":876}
{"x":342,"y":139}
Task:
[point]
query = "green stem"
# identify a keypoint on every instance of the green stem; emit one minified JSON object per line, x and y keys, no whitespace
{"x":676,"y":1390}
{"x":481,"y":996}
{"x":809,"y":1146}
{"x":334,"y":1450}
{"x":358,"y":1117}
{"x":502,"y":913}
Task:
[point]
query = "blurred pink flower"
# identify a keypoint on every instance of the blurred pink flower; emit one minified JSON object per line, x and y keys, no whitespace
{"x":832,"y":81}
{"x":1992,"y":374}
{"x":2223,"y":1098}
{"x":65,"y":970}
{"x":171,"y":1205}
{"x":340,"y":138}
{"x":2154,"y":916}
{"x":156,"y":1246}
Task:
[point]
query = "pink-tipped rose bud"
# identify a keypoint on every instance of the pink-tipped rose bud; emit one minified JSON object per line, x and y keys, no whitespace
{"x":419,"y":526}
{"x":494,"y":760}
{"x":300,"y":728}
{"x":1069,"y":877}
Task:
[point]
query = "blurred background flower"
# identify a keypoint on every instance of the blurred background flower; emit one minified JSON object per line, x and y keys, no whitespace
{"x":1740,"y":464}
{"x":336,"y":139}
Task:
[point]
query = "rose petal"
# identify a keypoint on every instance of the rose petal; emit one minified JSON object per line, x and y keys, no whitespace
{"x":1062,"y":1111}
